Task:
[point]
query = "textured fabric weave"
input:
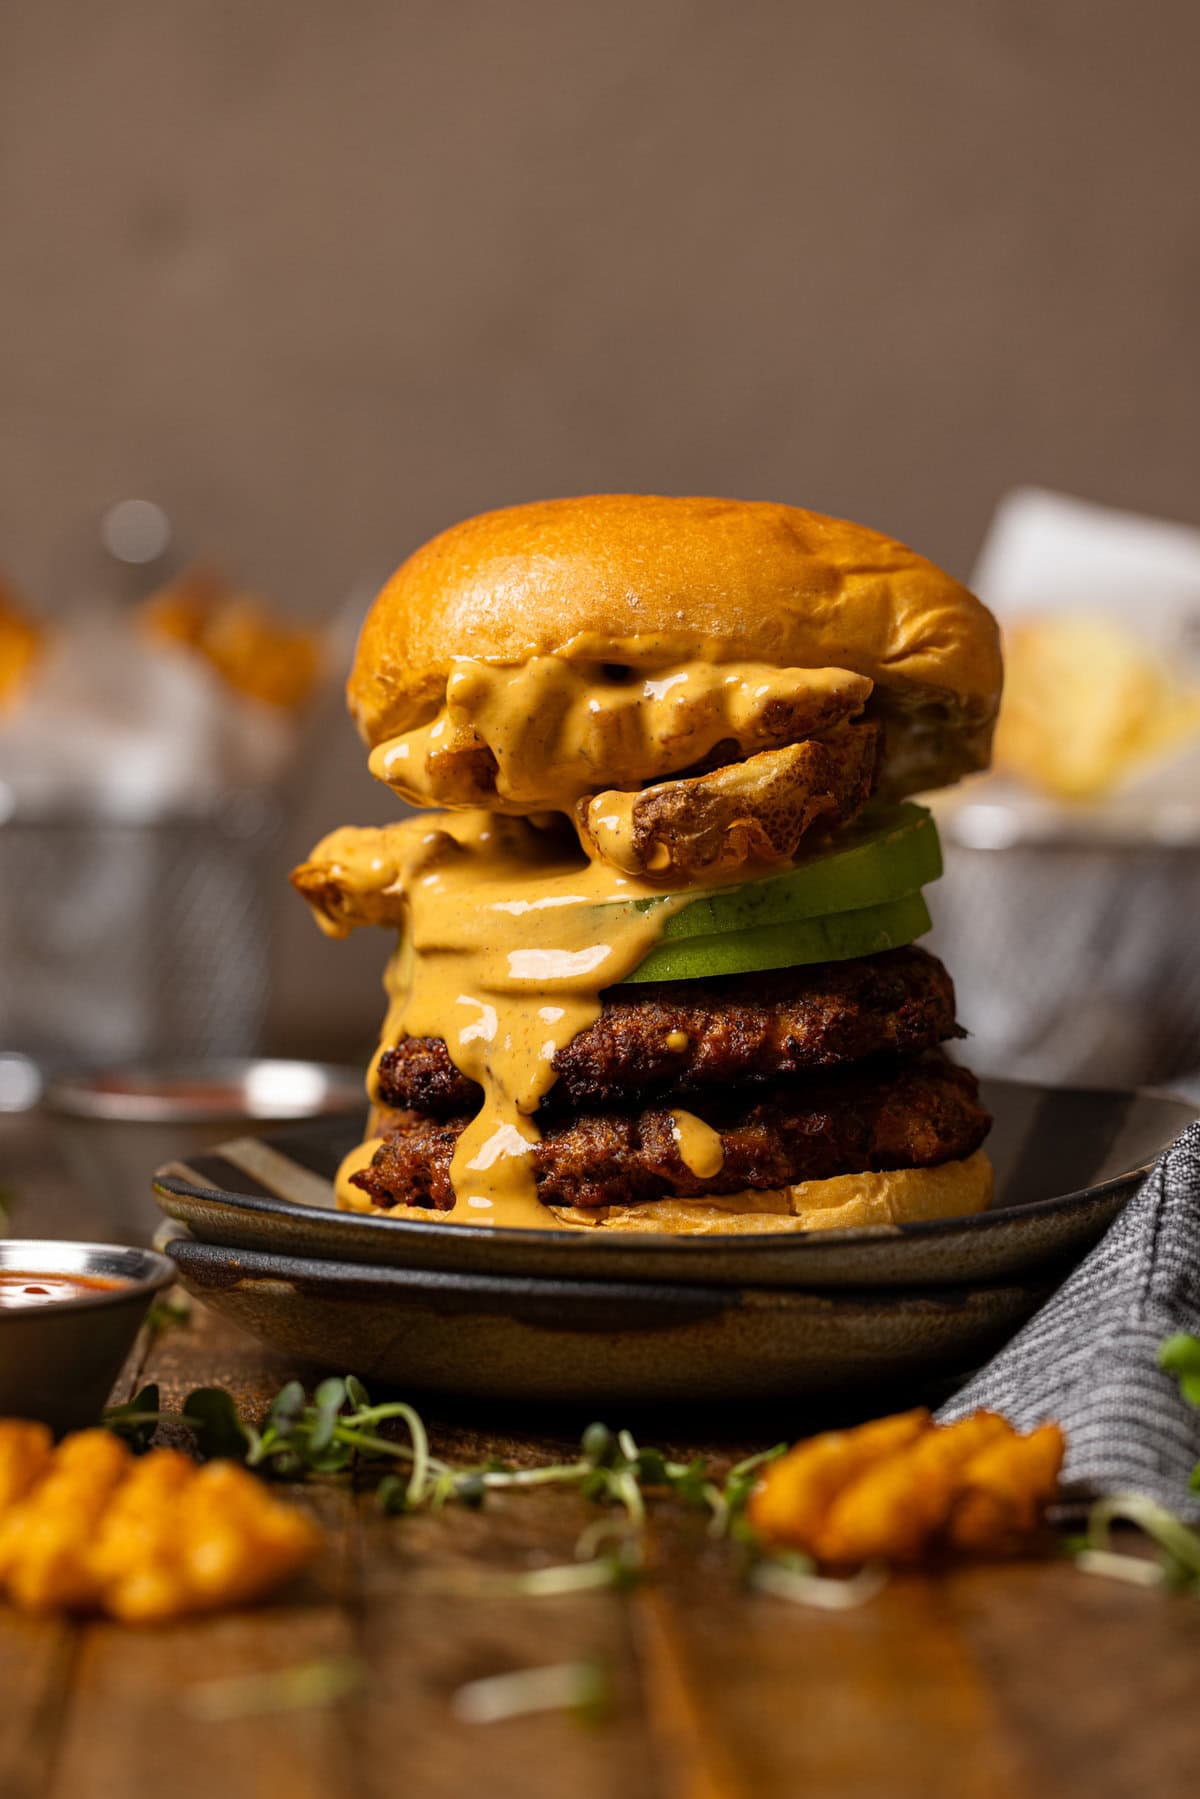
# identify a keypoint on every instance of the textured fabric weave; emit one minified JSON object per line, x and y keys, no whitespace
{"x":1089,"y":1358}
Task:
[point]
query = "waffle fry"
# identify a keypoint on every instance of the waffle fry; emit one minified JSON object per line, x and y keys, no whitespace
{"x":89,"y":1527}
{"x":240,"y":637}
{"x":1085,"y":705}
{"x":903,"y":1489}
{"x":21,"y":644}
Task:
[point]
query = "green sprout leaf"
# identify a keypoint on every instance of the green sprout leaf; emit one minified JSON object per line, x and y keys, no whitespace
{"x":287,"y":1409}
{"x":305,"y":1686}
{"x":1180,"y":1354}
{"x":598,"y":1445}
{"x":213,"y":1417}
{"x":328,"y":1399}
{"x":581,"y":1688}
{"x":137,"y":1420}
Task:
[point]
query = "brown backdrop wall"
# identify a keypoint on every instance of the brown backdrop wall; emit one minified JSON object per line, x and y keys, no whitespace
{"x":323,"y":277}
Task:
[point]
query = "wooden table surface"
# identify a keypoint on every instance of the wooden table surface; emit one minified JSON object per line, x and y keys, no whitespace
{"x":984,"y":1683}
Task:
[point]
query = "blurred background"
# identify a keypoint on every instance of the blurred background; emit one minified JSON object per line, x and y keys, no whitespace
{"x":318,"y":280}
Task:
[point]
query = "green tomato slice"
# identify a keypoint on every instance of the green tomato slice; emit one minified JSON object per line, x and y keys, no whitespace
{"x":833,"y":938}
{"x":891,"y":852}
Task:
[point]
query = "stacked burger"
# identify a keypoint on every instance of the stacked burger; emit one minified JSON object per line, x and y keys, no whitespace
{"x":656,"y":965}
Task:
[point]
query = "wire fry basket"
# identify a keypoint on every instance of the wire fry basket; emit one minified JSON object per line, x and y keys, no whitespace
{"x":1074,"y":961}
{"x":123,"y":940}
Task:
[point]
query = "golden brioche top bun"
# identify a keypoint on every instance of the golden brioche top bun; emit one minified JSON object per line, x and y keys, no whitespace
{"x":649,"y":580}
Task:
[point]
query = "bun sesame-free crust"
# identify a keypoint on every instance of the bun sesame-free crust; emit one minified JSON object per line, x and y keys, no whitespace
{"x":647,"y":581}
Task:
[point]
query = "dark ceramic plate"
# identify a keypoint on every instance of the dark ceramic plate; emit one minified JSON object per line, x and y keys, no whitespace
{"x":1066,"y":1160}
{"x":600,"y":1342}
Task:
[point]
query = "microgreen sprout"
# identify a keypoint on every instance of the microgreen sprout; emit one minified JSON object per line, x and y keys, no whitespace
{"x":338,"y":1432}
{"x":1177,"y":1565}
{"x":302,"y":1687}
{"x":617,"y":1568}
{"x":1180,"y":1356}
{"x":582,"y":1688}
{"x":137,"y":1420}
{"x":795,"y":1577}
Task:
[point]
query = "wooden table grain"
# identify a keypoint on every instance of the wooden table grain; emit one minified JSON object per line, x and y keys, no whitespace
{"x":984,"y":1683}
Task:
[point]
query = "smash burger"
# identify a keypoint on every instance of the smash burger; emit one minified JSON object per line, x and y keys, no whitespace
{"x":656,"y":965}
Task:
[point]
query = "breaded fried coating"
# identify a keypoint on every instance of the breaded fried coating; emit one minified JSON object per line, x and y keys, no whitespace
{"x":904,"y":1489}
{"x":89,"y":1527}
{"x":46,"y":1539}
{"x":791,"y":1505}
{"x":896,"y":1506}
{"x":1005,"y":1489}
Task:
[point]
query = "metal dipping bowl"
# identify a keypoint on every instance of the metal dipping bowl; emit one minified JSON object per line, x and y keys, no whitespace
{"x":115,"y":1126}
{"x":58,"y":1361}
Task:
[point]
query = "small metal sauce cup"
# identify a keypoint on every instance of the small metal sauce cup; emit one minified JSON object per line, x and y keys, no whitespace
{"x":58,"y":1361}
{"x":117,"y":1125}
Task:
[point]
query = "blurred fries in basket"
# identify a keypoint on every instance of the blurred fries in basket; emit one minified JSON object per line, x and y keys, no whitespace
{"x":1086,"y":704}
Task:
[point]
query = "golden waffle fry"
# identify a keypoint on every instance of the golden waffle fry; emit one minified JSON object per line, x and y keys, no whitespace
{"x":240,"y":637}
{"x":1006,"y":1489}
{"x":895,"y":1509}
{"x":1085,"y":704}
{"x":25,"y":1451}
{"x":46,"y":1540}
{"x":89,"y":1527}
{"x":904,"y":1488}
{"x":790,"y":1503}
{"x":21,"y":644}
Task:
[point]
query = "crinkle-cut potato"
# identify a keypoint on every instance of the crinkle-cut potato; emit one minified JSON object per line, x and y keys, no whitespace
{"x":252,"y":649}
{"x":1086,"y":704}
{"x":904,"y":1489}
{"x":749,"y":812}
{"x":47,"y":1537}
{"x":90,"y":1527}
{"x":21,"y":643}
{"x":25,"y":1452}
{"x":1004,"y":1491}
{"x":790,"y":1503}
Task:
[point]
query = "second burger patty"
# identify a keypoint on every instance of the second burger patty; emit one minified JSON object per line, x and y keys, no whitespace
{"x":689,"y":1036}
{"x":904,"y":1114}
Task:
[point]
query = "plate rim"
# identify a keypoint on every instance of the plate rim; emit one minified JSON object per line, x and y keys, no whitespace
{"x":165,"y":1184}
{"x":694,"y":1297}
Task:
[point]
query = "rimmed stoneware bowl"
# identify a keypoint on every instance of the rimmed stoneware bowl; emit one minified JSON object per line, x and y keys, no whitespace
{"x":560,"y":1316}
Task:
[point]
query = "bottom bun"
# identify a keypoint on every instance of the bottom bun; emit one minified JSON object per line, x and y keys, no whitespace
{"x":845,"y":1202}
{"x":877,"y":1201}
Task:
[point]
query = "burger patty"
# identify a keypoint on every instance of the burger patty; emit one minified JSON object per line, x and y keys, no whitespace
{"x":903,"y":1114}
{"x":684,"y":1037}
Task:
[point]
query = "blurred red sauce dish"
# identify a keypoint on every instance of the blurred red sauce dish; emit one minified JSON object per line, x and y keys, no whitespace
{"x":214,"y":1095}
{"x":20,"y":1289}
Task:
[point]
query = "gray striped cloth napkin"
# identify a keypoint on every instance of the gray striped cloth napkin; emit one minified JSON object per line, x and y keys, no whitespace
{"x":1089,"y":1357}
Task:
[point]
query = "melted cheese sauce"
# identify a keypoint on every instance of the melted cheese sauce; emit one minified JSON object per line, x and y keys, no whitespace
{"x":541,"y":736}
{"x":700,"y":1148}
{"x":506,"y":948}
